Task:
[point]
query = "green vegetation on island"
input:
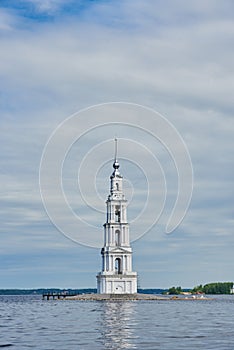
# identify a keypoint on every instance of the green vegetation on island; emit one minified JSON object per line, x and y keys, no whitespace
{"x":214,"y":288}
{"x":175,"y":290}
{"x":210,"y":288}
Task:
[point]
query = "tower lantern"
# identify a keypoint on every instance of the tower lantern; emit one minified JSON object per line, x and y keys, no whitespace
{"x":116,"y":275}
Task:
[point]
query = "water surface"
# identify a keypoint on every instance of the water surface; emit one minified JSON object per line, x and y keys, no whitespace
{"x":28,"y":322}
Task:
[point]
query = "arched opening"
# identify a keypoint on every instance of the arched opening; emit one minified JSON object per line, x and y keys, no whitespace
{"x":117,"y":213}
{"x":118,"y":267}
{"x":117,"y":186}
{"x":117,"y":237}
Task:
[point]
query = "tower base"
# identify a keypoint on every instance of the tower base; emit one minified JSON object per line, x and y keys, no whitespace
{"x":117,"y":284}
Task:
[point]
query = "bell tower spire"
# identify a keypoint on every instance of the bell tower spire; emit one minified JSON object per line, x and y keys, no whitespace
{"x":116,"y":275}
{"x":116,"y":148}
{"x":116,"y":183}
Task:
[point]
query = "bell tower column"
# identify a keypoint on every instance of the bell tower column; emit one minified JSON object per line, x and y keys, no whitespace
{"x":116,"y":275}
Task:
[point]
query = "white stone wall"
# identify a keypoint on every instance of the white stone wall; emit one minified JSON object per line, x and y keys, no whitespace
{"x":115,"y":285}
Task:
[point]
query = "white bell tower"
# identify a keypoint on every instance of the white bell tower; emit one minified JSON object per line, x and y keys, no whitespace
{"x":116,"y":275}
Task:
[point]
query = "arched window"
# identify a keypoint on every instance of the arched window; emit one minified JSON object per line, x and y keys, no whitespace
{"x":117,"y":213}
{"x":118,"y":266}
{"x":117,"y":186}
{"x":117,"y":237}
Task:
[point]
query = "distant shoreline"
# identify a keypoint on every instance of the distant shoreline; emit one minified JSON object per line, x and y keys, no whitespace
{"x":40,"y":291}
{"x":71,"y":291}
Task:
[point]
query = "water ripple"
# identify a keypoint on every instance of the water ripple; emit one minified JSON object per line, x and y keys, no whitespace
{"x":30,"y":323}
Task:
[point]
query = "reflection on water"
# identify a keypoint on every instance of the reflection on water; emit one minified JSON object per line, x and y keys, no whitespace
{"x":117,"y":321}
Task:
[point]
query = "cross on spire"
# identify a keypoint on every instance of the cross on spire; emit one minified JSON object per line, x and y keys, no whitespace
{"x":116,"y":148}
{"x":116,"y":163}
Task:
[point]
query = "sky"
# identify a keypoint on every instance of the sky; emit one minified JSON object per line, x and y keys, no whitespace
{"x":57,"y":58}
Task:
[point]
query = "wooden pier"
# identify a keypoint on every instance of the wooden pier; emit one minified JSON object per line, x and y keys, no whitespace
{"x":57,"y":296}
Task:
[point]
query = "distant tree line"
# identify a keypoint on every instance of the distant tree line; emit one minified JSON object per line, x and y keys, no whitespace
{"x":214,"y":288}
{"x":45,"y":290}
{"x":175,"y":290}
{"x":210,"y":288}
{"x":151,"y":291}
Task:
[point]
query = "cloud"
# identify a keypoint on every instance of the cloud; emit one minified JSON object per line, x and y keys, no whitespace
{"x":7,"y":21}
{"x":47,"y":6}
{"x":60,"y":61}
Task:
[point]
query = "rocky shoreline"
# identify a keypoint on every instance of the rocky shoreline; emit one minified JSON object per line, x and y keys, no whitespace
{"x":129,"y":297}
